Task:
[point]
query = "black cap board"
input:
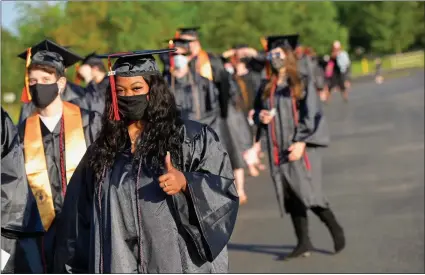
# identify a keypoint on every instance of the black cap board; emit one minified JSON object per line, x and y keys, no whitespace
{"x":92,"y":60}
{"x":181,"y":43}
{"x":135,"y":63}
{"x":193,"y":31}
{"x":284,"y":41}
{"x":49,"y":53}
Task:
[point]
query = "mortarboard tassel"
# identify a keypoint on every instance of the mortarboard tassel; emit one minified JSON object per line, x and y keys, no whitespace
{"x":170,"y":54}
{"x":77,"y":78}
{"x":114,"y":114}
{"x":26,"y":96}
{"x":268,"y":68}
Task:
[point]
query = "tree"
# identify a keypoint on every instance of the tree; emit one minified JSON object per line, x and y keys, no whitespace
{"x":13,"y":68}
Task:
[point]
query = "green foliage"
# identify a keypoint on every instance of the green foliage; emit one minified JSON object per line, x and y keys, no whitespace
{"x":109,"y":26}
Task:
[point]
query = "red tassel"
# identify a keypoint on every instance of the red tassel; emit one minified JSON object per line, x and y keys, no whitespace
{"x":268,"y":66}
{"x":77,"y":78}
{"x":26,"y":96}
{"x":170,"y":54}
{"x":114,"y":114}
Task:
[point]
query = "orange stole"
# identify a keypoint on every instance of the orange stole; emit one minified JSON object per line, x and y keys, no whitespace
{"x":204,"y":65}
{"x":35,"y":160}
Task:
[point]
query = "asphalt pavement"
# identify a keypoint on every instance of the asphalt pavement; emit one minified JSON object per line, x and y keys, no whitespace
{"x":373,"y":175}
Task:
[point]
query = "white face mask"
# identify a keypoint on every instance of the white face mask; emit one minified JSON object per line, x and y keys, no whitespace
{"x":180,"y":61}
{"x":230,"y":70}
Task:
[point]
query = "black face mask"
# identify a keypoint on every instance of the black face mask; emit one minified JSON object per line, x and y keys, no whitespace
{"x":132,"y":108}
{"x":43,"y":94}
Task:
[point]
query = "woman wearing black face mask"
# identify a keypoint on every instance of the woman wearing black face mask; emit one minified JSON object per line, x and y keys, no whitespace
{"x":154,"y":194}
{"x":54,"y":137}
{"x":288,"y":110}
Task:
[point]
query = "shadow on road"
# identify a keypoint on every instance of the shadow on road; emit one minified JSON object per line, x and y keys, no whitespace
{"x":279,"y":251}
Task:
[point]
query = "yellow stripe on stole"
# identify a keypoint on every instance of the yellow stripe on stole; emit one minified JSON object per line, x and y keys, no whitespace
{"x":204,"y":65}
{"x":35,"y":160}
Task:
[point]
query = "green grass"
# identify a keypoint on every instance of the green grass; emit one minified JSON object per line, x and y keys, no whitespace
{"x":356,"y":66}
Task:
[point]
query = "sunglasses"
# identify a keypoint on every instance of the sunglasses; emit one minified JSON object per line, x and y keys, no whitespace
{"x":270,"y":56}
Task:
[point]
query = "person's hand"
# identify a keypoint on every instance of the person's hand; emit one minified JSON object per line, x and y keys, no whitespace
{"x":250,"y":52}
{"x":265,"y":117}
{"x":85,"y":72}
{"x":228,"y":53}
{"x":297,"y":151}
{"x":173,"y":181}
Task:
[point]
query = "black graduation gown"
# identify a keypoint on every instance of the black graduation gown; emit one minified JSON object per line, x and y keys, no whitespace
{"x":91,"y":122}
{"x":179,"y":233}
{"x":73,"y":93}
{"x":303,"y":177}
{"x":95,"y":95}
{"x":220,"y":79}
{"x":239,"y":135}
{"x":21,"y":226}
{"x":252,"y":82}
{"x":310,"y":66}
{"x":207,"y":98}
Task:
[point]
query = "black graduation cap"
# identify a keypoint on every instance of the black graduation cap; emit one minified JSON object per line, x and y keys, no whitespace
{"x":49,"y":53}
{"x":180,"y":42}
{"x":284,"y":41}
{"x":129,"y":64}
{"x":135,"y":63}
{"x":193,"y":31}
{"x":92,"y":60}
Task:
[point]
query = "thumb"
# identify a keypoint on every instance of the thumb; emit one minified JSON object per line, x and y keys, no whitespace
{"x":168,"y":164}
{"x":291,"y":148}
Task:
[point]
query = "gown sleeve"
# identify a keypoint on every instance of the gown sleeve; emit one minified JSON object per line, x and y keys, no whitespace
{"x":209,"y":208}
{"x":312,"y":126}
{"x":73,"y":224}
{"x":258,"y":106}
{"x":222,"y":81}
{"x":19,"y":213}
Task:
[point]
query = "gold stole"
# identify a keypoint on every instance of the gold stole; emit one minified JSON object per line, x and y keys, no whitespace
{"x":35,"y":160}
{"x":203,"y":65}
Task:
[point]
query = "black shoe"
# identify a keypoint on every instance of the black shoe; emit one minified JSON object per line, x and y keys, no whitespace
{"x":337,"y":233}
{"x":304,"y":246}
{"x":300,"y":251}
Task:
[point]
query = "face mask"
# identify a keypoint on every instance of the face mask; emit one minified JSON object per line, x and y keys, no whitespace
{"x":230,"y":70}
{"x":277,"y":63}
{"x":180,"y":61}
{"x":132,"y":108}
{"x":44,"y":94}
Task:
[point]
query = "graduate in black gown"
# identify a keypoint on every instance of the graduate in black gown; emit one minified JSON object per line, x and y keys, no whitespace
{"x":207,"y":65}
{"x":155,"y":193}
{"x":289,"y":112}
{"x":196,"y":96}
{"x":211,"y":67}
{"x":93,"y":72}
{"x":21,"y":226}
{"x":72,"y":93}
{"x":54,"y":138}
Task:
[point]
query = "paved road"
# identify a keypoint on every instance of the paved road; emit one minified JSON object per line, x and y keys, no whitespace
{"x":374,"y":178}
